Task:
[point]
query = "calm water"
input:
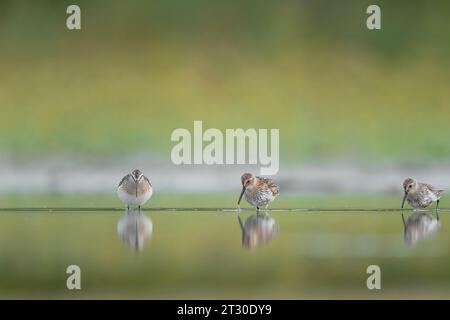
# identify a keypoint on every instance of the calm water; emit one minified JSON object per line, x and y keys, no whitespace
{"x":211,"y":254}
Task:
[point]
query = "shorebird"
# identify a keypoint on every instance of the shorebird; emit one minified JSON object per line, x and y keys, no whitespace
{"x":134,"y":228}
{"x":258,"y":230}
{"x":420,"y":195}
{"x":419,"y":226}
{"x":134,"y":189}
{"x":258,"y":191}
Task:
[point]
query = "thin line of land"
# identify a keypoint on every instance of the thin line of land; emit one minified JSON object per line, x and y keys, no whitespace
{"x":210,"y":209}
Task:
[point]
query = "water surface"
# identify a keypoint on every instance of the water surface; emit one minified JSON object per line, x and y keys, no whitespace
{"x":209,"y":253}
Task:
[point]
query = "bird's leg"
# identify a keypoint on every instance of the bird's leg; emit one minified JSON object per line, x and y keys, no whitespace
{"x":257,"y":209}
{"x":437,"y":212}
{"x":139,"y":208}
{"x":128,"y":208}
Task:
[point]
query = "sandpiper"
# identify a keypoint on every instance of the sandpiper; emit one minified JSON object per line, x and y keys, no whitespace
{"x":134,"y":228}
{"x":420,"y":195}
{"x":419,"y":226}
{"x":258,"y":230}
{"x":258,"y":191}
{"x":134,"y":189}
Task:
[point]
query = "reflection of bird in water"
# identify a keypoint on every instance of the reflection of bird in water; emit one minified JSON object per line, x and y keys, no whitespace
{"x":419,"y":226}
{"x":134,"y":228}
{"x":258,"y":230}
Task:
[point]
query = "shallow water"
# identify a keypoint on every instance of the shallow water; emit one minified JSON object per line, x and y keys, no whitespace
{"x":209,"y":253}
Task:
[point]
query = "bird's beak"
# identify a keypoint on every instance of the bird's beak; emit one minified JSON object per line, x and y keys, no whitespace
{"x":242,"y":193}
{"x":404,"y":198}
{"x":240,"y":223}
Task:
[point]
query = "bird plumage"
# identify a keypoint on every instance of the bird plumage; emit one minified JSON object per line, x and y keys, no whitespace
{"x":420,"y":195}
{"x":258,"y":191}
{"x":134,"y":189}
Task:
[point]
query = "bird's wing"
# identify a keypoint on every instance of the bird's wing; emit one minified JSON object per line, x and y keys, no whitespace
{"x":123,"y":179}
{"x":275,"y":189}
{"x":264,"y":180}
{"x":433,"y":189}
{"x":146,"y":179}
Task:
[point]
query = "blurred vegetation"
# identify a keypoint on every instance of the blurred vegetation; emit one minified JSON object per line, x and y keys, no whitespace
{"x":139,"y":69}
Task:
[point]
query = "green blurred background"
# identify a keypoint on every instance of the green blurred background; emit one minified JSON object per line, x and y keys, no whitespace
{"x":139,"y":69}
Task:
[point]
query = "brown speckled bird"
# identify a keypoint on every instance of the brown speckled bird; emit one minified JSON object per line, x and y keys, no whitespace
{"x":258,"y":230}
{"x":420,"y":195}
{"x":134,"y":189}
{"x":134,"y":228}
{"x":419,"y":226}
{"x":258,"y":191}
